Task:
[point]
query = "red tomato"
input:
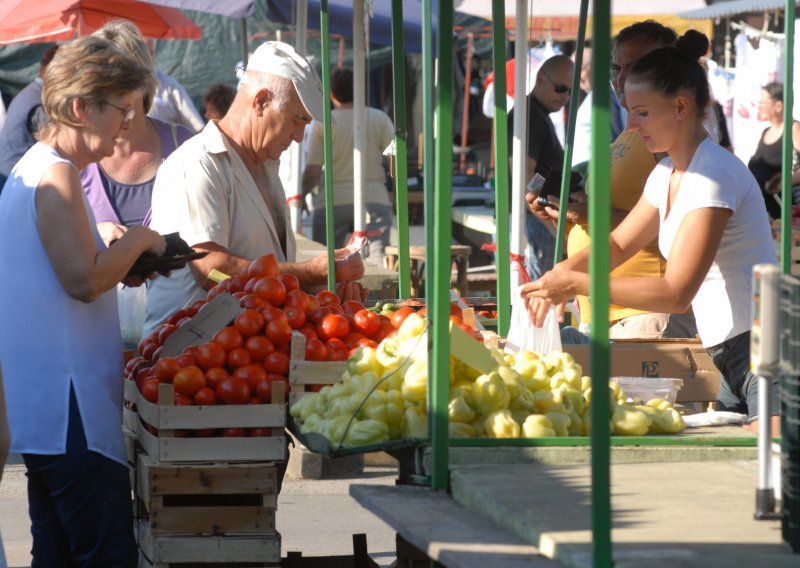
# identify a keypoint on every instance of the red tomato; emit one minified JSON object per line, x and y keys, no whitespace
{"x":205,"y":433}
{"x":337,"y":350}
{"x":187,"y":359}
{"x":271,"y":289}
{"x":188,"y":381}
{"x":250,"y":284}
{"x":315,"y":350}
{"x":335,"y":309}
{"x":259,"y":432}
{"x":273,"y":314}
{"x":352,"y":307}
{"x":211,"y":355}
{"x":297,"y":299}
{"x":182,"y":400}
{"x":313,"y":303}
{"x":179,"y":315}
{"x":399,"y":316}
{"x":249,"y":323}
{"x":149,"y":390}
{"x":366,"y":342}
{"x":319,"y":314}
{"x":165,"y":331}
{"x":366,"y":322}
{"x":259,"y":347}
{"x":352,"y":339}
{"x":309,"y":331}
{"x":385,"y":330}
{"x":296,"y":317}
{"x":239,"y":358}
{"x":289,"y":281}
{"x":229,"y":338}
{"x":194,"y":308}
{"x":157,"y":352}
{"x":165,"y":369}
{"x":183,"y":321}
{"x":236,"y":283}
{"x":266,"y":265}
{"x":279,"y":332}
{"x":213,"y":293}
{"x":234,"y":433}
{"x":233,"y":390}
{"x":333,"y":325}
{"x":327,"y":298}
{"x":149,"y":350}
{"x":455,"y":310}
{"x":214,"y":375}
{"x":277,"y":362}
{"x":206,"y":396}
{"x":253,"y":302}
{"x":263,"y":390}
{"x":252,"y":374}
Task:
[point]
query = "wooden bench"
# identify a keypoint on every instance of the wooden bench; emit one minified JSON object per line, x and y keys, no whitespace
{"x":459,"y":257}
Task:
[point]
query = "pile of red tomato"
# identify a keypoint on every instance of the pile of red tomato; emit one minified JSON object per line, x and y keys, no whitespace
{"x":243,"y":360}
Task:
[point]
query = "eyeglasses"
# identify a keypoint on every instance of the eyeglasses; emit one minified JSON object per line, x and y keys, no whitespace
{"x":559,"y":88}
{"x":127,"y":113}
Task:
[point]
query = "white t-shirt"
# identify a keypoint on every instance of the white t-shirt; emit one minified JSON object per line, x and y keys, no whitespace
{"x":716,"y":178}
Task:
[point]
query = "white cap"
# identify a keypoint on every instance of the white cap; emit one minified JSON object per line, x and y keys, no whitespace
{"x":277,"y":58}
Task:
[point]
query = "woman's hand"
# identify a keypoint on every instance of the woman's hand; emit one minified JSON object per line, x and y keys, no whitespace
{"x":151,"y":241}
{"x":110,"y":231}
{"x":554,"y":288}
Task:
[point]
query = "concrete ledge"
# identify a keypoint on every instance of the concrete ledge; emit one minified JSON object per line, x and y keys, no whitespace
{"x":432,"y":522}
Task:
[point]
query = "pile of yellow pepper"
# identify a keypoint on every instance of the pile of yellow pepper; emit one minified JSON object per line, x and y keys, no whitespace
{"x":383,"y":392}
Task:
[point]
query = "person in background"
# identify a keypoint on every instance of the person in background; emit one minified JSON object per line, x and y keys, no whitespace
{"x":172,"y":103}
{"x":62,"y":360}
{"x":16,"y":136}
{"x":767,"y":161}
{"x":631,"y":164}
{"x":217,"y":100}
{"x":120,"y":187}
{"x":544,"y":151}
{"x":221,"y":191}
{"x":380,"y":133}
{"x":705,"y":209}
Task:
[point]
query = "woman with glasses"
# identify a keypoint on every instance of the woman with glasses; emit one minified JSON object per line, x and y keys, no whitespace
{"x":61,"y":356}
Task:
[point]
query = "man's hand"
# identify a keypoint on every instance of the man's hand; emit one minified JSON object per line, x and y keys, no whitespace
{"x":532,"y":201}
{"x":349,"y":266}
{"x":351,"y":291}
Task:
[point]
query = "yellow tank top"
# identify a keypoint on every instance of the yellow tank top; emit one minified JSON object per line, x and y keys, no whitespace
{"x":631,"y":164}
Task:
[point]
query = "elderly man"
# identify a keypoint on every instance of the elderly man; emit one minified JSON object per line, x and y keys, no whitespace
{"x":221,"y":188}
{"x":544,"y":151}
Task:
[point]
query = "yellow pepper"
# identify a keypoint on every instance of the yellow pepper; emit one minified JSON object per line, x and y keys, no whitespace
{"x":629,"y":421}
{"x":458,"y":410}
{"x":537,"y":426}
{"x":461,"y":430}
{"x":489,"y":394}
{"x":366,"y":432}
{"x":501,"y":424}
{"x":388,"y":354}
{"x":416,"y":423}
{"x":415,"y":382}
{"x":364,"y":360}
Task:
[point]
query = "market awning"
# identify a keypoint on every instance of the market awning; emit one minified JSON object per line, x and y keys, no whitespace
{"x":733,"y":7}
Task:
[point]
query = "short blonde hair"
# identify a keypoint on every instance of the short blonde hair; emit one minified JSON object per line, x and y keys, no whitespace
{"x":127,"y":37}
{"x":90,"y":69}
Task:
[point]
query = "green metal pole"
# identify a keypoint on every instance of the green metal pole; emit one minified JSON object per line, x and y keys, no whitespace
{"x":599,"y":262}
{"x":786,"y":170}
{"x":401,"y":149}
{"x":328,"y":149}
{"x":439,"y":378}
{"x":427,"y":137}
{"x":570,"y":135}
{"x":501,"y":187}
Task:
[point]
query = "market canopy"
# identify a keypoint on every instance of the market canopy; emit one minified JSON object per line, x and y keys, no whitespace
{"x":232,"y":8}
{"x":733,"y":7}
{"x":340,"y":15}
{"x":558,"y":19}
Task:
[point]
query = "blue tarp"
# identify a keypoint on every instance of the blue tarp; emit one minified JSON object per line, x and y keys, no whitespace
{"x":340,"y":18}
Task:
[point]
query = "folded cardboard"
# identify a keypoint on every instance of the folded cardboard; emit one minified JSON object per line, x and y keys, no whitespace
{"x":686,"y":360}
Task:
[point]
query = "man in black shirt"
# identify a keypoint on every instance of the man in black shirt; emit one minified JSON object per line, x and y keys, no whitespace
{"x":544,"y":151}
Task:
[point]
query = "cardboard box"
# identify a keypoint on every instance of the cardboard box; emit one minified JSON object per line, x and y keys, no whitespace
{"x":212,"y":317}
{"x":686,"y":360}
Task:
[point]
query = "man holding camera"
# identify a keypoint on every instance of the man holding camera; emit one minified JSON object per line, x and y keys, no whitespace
{"x":544,"y":152}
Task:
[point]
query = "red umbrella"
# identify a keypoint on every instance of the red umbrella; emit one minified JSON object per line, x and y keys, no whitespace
{"x":32,"y":21}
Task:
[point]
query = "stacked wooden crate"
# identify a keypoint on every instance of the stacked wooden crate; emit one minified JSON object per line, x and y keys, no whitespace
{"x":206,"y":500}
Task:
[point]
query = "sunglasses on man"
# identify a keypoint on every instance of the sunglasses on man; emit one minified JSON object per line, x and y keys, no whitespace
{"x":559,"y":88}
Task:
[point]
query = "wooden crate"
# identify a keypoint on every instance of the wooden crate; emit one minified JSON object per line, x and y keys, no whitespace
{"x":211,"y":499}
{"x":303,"y":373}
{"x":163,"y":551}
{"x":169,"y":420}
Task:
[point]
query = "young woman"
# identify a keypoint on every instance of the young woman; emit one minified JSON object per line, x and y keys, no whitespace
{"x":705,"y":209}
{"x":62,"y":360}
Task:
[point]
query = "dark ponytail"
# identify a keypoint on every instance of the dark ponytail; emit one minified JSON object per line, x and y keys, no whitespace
{"x":670,"y":69}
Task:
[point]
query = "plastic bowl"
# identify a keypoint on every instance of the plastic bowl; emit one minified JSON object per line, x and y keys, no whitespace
{"x":642,"y":389}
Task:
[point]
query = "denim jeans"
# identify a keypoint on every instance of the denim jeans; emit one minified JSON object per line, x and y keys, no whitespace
{"x":541,"y":247}
{"x":738,"y":390}
{"x":80,"y":505}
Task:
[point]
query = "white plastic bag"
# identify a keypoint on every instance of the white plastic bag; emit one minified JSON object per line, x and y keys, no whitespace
{"x":131,"y":304}
{"x":522,"y":334}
